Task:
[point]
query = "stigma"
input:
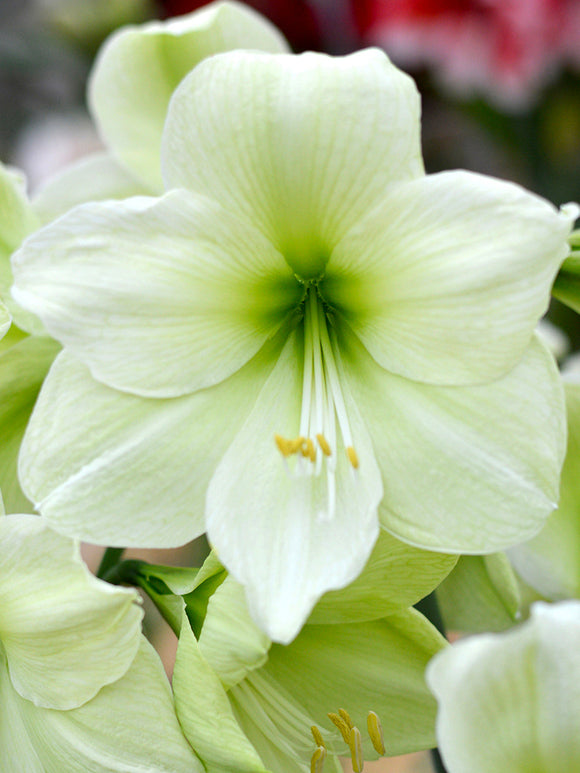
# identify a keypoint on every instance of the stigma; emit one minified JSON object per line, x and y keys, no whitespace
{"x":323,"y":414}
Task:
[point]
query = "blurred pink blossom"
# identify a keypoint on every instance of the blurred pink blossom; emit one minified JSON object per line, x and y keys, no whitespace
{"x":505,"y":50}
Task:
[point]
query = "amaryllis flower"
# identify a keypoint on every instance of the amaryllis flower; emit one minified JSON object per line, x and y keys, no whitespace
{"x":304,"y":339}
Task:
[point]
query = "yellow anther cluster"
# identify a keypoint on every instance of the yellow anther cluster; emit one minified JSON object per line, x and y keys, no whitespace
{"x":305,"y":446}
{"x":351,"y":736}
{"x":302,"y":445}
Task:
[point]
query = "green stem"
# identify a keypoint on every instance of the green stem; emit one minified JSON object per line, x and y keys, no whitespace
{"x":110,"y":558}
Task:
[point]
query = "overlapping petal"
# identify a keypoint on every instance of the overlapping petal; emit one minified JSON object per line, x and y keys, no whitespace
{"x":93,"y":178}
{"x":65,"y":634}
{"x":281,"y":141}
{"x":139,"y":68}
{"x":375,"y":665}
{"x":395,"y":577}
{"x":129,"y":285}
{"x":129,"y":726}
{"x":459,"y":470}
{"x":112,"y":468}
{"x":284,"y":531}
{"x":207,"y":720}
{"x":550,"y":562}
{"x":481,"y":594}
{"x":445,"y":280}
{"x":17,"y":220}
{"x":521,"y":689}
{"x":23,"y":366}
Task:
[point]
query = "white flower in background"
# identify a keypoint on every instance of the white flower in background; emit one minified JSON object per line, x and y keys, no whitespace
{"x":306,"y":337}
{"x":510,"y":702}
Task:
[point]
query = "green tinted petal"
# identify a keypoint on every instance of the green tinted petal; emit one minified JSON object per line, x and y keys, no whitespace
{"x":301,"y":146}
{"x":129,"y":285}
{"x":5,"y":320}
{"x":65,"y":633}
{"x":446,"y":279}
{"x":17,"y":220}
{"x":510,"y":703}
{"x":139,"y":68}
{"x":230,"y":641}
{"x":465,"y":469}
{"x":550,"y":562}
{"x":115,"y":469}
{"x":23,"y":367}
{"x":205,"y":713}
{"x":481,"y":594}
{"x":129,"y":726}
{"x":396,"y":576}
{"x":273,"y":524}
{"x":360,"y":667}
{"x":92,"y":178}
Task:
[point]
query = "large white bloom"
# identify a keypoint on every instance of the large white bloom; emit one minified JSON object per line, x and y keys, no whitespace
{"x":304,"y":338}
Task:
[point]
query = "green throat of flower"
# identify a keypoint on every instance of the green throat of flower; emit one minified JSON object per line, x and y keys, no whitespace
{"x":323,"y":406}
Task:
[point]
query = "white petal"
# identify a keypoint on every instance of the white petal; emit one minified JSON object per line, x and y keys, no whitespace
{"x":446,"y":279}
{"x":465,"y":469}
{"x":550,"y":562}
{"x":129,"y":285}
{"x":205,"y":713}
{"x":23,"y":367}
{"x":129,"y":726}
{"x":301,"y":146}
{"x":510,"y":703}
{"x":17,"y":220}
{"x":138,"y":69}
{"x":65,"y":633}
{"x":274,"y":528}
{"x":112,"y":468}
{"x":93,"y":178}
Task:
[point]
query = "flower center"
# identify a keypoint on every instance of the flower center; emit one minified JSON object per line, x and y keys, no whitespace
{"x":323,"y":405}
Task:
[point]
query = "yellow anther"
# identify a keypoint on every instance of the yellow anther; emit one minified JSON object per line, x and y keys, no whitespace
{"x":376,"y":732}
{"x":288,"y":447}
{"x":316,"y":734}
{"x":323,"y":443}
{"x":297,"y":444}
{"x":317,"y":761}
{"x":339,"y":722}
{"x":352,"y":457}
{"x":308,"y":450}
{"x":355,"y":745}
{"x":346,"y":717}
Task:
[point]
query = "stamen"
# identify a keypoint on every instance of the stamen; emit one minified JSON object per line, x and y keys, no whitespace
{"x":323,"y":443}
{"x":376,"y":732}
{"x":318,"y":758}
{"x":308,"y":450}
{"x":355,"y":744}
{"x":317,"y":735}
{"x":346,"y":717}
{"x":352,"y":457}
{"x":339,"y":722}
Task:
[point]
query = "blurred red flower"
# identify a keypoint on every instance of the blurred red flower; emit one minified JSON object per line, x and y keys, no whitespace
{"x":504,"y":49}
